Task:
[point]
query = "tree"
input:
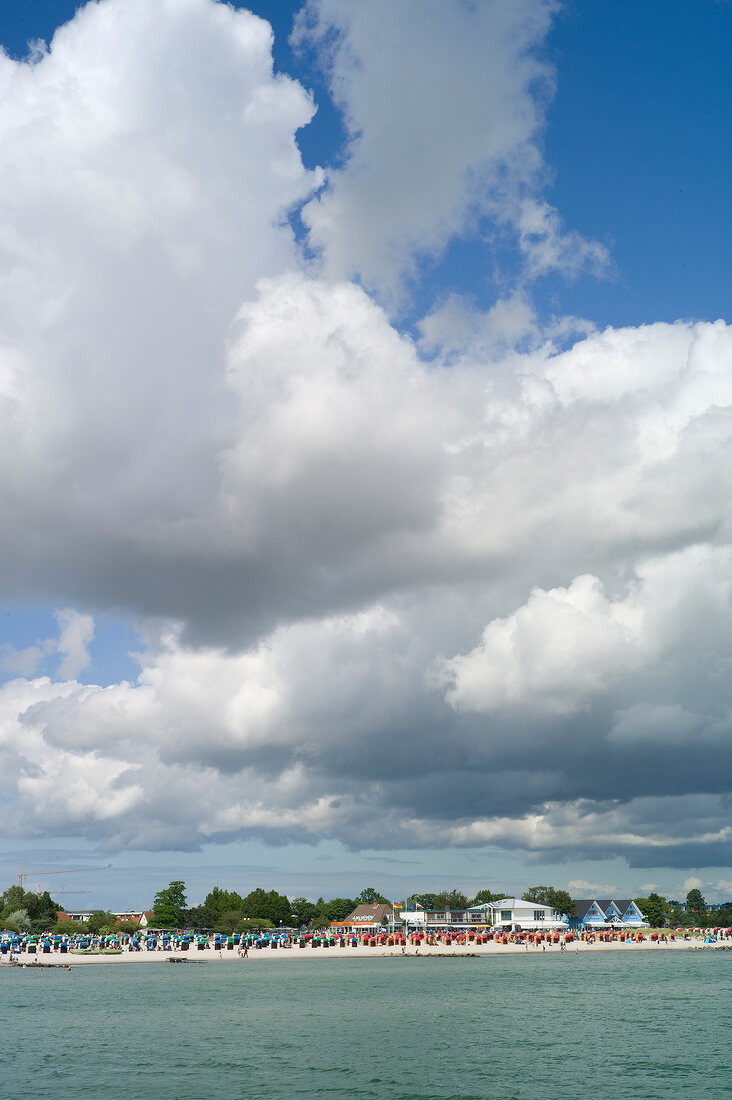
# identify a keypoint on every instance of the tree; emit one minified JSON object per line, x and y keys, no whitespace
{"x":221,"y":901}
{"x":13,"y":898}
{"x":200,"y":917}
{"x":451,"y":899}
{"x":537,"y":894}
{"x":723,"y":917}
{"x":99,"y":921}
{"x":69,"y":927}
{"x":19,"y":918}
{"x":170,"y":905}
{"x":253,"y":924}
{"x":337,"y":909}
{"x":695,"y":902}
{"x":229,"y":921}
{"x":267,"y":904}
{"x":559,"y":900}
{"x":41,"y":909}
{"x":656,"y":910}
{"x":43,"y":906}
{"x":427,"y":901}
{"x":128,"y":927}
{"x":484,"y":896}
{"x":303,"y":910}
{"x":369,"y":896}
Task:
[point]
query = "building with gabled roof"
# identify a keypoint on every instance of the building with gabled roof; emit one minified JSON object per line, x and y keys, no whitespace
{"x":604,"y":913}
{"x":366,"y":918}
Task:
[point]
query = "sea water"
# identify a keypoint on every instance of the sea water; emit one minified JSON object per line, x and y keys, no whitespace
{"x":554,"y":1025}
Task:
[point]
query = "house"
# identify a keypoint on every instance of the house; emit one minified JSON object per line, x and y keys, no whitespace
{"x":708,"y":907}
{"x":130,"y":915}
{"x":605,"y":913}
{"x":436,"y":920}
{"x":366,"y":918}
{"x":513,"y":914}
{"x":519,"y":915}
{"x":79,"y":916}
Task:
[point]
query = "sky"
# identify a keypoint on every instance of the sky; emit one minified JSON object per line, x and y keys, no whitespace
{"x":365,"y":437}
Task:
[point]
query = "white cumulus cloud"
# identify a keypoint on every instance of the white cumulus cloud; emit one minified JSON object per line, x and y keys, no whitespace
{"x":311,"y":526}
{"x":443,"y":104}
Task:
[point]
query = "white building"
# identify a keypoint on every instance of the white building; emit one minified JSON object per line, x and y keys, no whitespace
{"x":513,"y":914}
{"x":517,"y":915}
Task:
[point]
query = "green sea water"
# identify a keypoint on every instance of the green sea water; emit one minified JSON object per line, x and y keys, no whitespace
{"x":507,"y":1028}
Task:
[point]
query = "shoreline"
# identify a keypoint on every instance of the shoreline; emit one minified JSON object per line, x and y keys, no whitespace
{"x":490,"y":950}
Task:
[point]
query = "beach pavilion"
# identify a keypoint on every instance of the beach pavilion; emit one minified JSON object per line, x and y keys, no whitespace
{"x":366,"y":918}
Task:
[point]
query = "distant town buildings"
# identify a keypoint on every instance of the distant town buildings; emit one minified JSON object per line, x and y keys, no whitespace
{"x":80,"y":916}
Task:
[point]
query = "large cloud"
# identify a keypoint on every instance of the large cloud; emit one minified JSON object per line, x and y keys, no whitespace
{"x":443,"y":103}
{"x":149,"y":165}
{"x":483,"y":600}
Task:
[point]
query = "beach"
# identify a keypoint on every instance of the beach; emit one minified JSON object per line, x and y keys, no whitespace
{"x":363,"y":951}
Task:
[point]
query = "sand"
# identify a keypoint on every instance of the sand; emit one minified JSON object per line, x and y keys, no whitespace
{"x":256,"y":957}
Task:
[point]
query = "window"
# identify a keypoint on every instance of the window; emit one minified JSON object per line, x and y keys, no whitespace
{"x":539,"y":914}
{"x":505,"y":914}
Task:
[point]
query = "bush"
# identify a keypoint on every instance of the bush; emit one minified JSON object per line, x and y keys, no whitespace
{"x":19,"y":918}
{"x":254,"y":924}
{"x":68,"y":927}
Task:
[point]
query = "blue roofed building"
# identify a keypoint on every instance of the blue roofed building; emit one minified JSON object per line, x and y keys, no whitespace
{"x":604,"y":914}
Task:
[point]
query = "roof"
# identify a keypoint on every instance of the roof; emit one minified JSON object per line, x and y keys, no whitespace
{"x":359,"y":924}
{"x":583,"y":906}
{"x":519,"y":903}
{"x":364,"y":913}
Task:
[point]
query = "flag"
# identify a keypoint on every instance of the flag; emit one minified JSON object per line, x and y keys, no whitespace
{"x":418,"y":906}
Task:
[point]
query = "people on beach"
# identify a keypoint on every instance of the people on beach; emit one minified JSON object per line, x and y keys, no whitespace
{"x":22,"y":948}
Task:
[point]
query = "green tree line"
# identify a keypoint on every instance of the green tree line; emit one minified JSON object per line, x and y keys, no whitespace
{"x":23,"y":911}
{"x":227,"y":911}
{"x":661,"y":913}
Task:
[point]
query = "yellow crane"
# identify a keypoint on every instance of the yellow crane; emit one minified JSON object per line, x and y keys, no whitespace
{"x":68,"y":871}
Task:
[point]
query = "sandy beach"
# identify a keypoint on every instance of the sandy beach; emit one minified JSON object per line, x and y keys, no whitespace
{"x":256,"y":956}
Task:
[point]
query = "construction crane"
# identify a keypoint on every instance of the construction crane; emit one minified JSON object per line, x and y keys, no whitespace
{"x":58,"y":893}
{"x":69,"y":871}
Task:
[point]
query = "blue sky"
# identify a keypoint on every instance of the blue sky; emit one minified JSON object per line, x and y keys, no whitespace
{"x":390,"y":552}
{"x":636,"y":139}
